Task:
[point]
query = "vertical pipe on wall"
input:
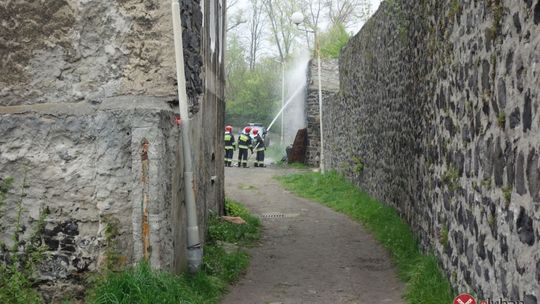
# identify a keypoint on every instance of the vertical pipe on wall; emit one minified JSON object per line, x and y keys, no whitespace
{"x":194,"y":246}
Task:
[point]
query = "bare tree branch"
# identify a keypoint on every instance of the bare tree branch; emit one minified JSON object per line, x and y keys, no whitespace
{"x":283,"y":31}
{"x":233,"y":20}
{"x":256,"y":31}
{"x":347,"y":12}
{"x":231,"y":3}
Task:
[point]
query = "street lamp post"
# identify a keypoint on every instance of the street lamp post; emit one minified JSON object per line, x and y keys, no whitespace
{"x":298,"y":18}
{"x":282,"y":96}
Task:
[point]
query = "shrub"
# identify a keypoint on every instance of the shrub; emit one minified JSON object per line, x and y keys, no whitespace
{"x":332,"y":41}
{"x":22,"y":258}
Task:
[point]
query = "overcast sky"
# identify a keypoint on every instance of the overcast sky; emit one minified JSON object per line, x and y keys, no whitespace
{"x":266,"y":49}
{"x":242,"y":4}
{"x":374,"y":6}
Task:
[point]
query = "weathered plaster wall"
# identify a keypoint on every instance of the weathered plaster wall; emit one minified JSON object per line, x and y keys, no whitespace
{"x":439,"y":102}
{"x":72,"y":50}
{"x":87,"y":105}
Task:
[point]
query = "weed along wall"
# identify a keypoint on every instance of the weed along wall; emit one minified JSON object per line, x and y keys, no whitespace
{"x":440,"y":100}
{"x":87,"y":130}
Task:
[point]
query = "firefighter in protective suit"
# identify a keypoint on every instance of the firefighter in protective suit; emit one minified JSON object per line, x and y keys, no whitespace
{"x":229,"y":146}
{"x":258,"y":143}
{"x":244,"y":143}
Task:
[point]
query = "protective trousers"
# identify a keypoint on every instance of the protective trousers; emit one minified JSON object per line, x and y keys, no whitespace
{"x":260,"y":158}
{"x":242,"y":157}
{"x":228,"y":156}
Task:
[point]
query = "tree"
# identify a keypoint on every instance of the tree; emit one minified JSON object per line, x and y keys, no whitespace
{"x":283,"y":31}
{"x":332,"y":41}
{"x":256,"y":98}
{"x":251,"y":94}
{"x":235,"y":65}
{"x":234,"y":20}
{"x":346,"y":12}
{"x":256,"y":25}
{"x":314,"y":13}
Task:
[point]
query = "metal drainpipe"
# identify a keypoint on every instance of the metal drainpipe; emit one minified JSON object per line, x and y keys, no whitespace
{"x":194,"y":246}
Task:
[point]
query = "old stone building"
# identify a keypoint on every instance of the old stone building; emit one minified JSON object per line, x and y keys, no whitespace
{"x":329,"y":87}
{"x":443,"y":97}
{"x":88,"y":131}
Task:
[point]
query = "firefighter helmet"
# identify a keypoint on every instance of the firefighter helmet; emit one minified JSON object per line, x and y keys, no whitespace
{"x":247,"y":129}
{"x":228,"y":129}
{"x":255,"y":131}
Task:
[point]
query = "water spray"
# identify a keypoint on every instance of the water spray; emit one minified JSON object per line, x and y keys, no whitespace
{"x":279,"y":113}
{"x":284,"y":106}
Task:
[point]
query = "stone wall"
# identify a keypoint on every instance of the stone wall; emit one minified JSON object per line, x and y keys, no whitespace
{"x":87,"y":130}
{"x":329,"y":87}
{"x":439,"y":100}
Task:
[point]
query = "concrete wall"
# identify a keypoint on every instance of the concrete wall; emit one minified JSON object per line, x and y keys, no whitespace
{"x":439,"y":102}
{"x":87,"y":105}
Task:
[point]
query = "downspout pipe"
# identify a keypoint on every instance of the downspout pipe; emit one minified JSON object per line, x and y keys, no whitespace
{"x":194,"y":246}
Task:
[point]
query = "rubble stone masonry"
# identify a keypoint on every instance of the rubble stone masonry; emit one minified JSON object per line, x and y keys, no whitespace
{"x":438,"y":116}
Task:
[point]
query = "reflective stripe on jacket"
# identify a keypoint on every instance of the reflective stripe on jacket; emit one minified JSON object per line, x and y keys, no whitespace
{"x":244,"y":141}
{"x":229,"y":141}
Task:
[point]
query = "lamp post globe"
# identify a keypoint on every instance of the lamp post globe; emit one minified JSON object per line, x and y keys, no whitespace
{"x":297,"y":18}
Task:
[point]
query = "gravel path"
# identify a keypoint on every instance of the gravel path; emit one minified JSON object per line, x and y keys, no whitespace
{"x":308,"y":253}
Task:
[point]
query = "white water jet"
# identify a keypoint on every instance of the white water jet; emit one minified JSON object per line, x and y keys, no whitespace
{"x":295,"y":114}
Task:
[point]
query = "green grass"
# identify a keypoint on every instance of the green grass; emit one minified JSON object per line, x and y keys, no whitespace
{"x":299,"y":166}
{"x":245,"y":235}
{"x":141,"y":284}
{"x":422,"y":275}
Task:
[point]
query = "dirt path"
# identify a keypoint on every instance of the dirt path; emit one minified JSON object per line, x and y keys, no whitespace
{"x":308,"y":253}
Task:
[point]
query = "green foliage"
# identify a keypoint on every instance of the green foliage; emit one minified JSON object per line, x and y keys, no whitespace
{"x":245,"y":234}
{"x":492,"y":220}
{"x":443,"y":236}
{"x":144,"y":285}
{"x":297,"y":166}
{"x":455,"y":9}
{"x":358,"y":165}
{"x":5,"y":185}
{"x":22,"y":258}
{"x":501,"y":120}
{"x":332,"y":41}
{"x":425,"y":281}
{"x":112,"y":256}
{"x":497,"y":10}
{"x":16,"y":286}
{"x":141,"y":284}
{"x":451,"y":178}
{"x":226,"y":267}
{"x":507,"y":194}
{"x":252,"y":95}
